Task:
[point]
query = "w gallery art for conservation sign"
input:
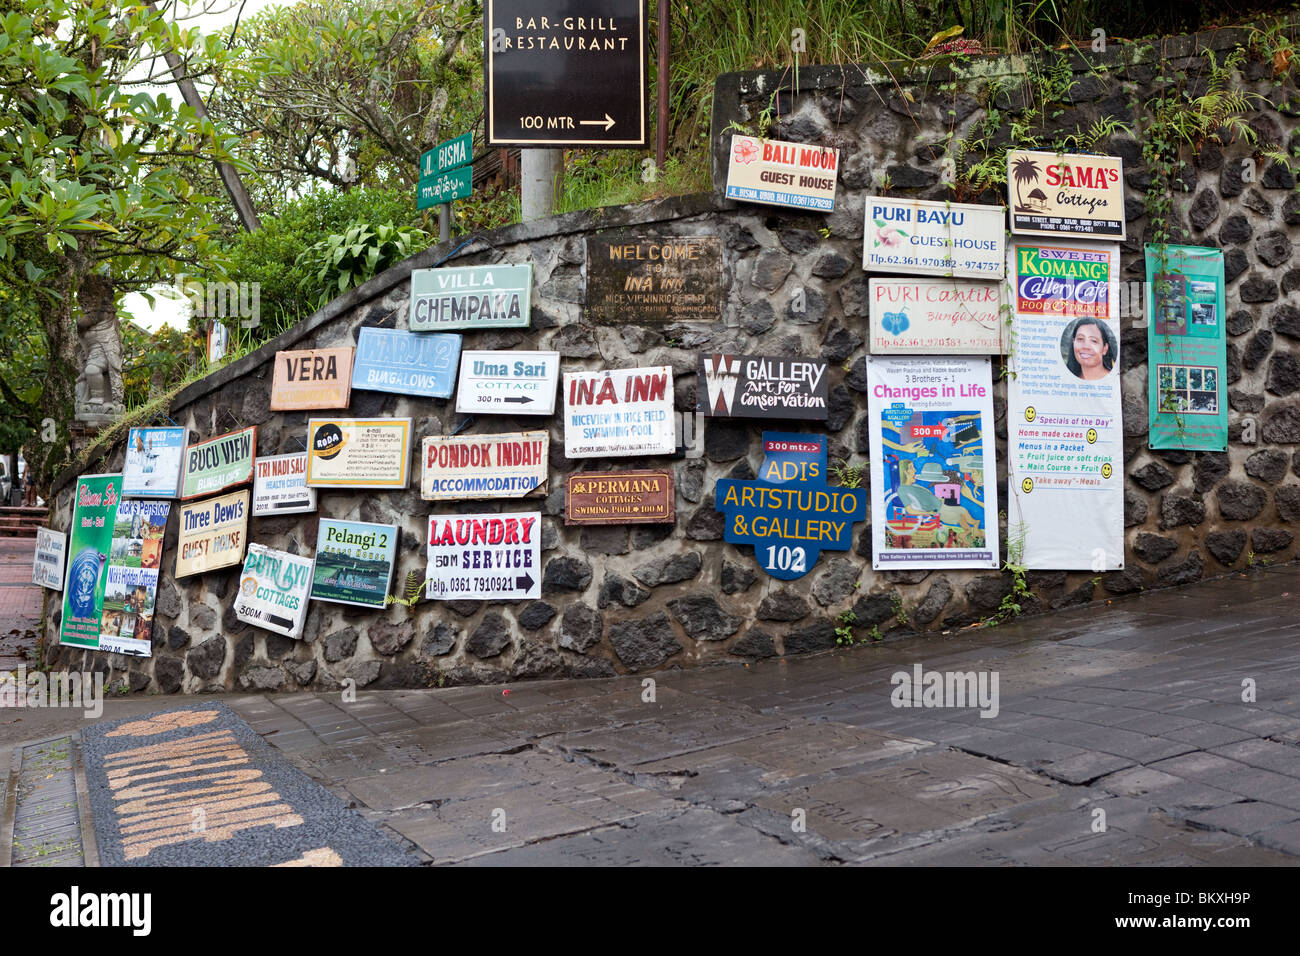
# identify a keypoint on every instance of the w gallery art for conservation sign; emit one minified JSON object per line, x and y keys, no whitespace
{"x":619,"y":413}
{"x":1066,"y":195}
{"x":483,"y":466}
{"x":312,"y":378}
{"x":782,"y":174}
{"x":638,"y":279}
{"x":471,"y":297}
{"x":937,"y":316}
{"x":761,"y":386}
{"x":219,"y":463}
{"x":934,"y":238}
{"x":488,"y":557}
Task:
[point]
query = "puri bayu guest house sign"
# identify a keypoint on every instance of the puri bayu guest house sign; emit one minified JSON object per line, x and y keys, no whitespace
{"x":790,"y":514}
{"x":934,"y":238}
{"x":761,"y":386}
{"x":1076,"y":195}
{"x":774,"y":173}
{"x":485,"y":557}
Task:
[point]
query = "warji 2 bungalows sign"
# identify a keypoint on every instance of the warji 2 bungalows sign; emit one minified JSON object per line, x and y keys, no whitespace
{"x":782,"y":174}
{"x":471,"y":297}
{"x":485,"y":557}
{"x":219,"y":463}
{"x":483,"y":466}
{"x":1058,"y":195}
{"x":406,"y":363}
{"x":761,"y":386}
{"x":619,"y":413}
{"x":312,"y":378}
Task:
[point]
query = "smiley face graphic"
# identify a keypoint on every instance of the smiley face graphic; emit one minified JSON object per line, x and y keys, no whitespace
{"x":1030,"y":414}
{"x":1091,"y":436}
{"x":1106,"y":470}
{"x":1027,"y":485}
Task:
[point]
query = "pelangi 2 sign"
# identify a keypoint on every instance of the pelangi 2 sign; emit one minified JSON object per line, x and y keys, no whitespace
{"x":485,"y":557}
{"x":358,"y":452}
{"x":484,"y":466}
{"x":273,"y":590}
{"x":471,"y":297}
{"x":89,"y":542}
{"x":790,"y":515}
{"x":761,"y":386}
{"x":212,"y":534}
{"x":354,"y":562}
{"x":219,"y":463}
{"x":1066,"y":195}
{"x":132,"y":581}
{"x":619,"y":413}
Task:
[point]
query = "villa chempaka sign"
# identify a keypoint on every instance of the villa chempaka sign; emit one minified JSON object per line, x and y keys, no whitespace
{"x":922,"y":237}
{"x":471,"y":297}
{"x":1054,"y":194}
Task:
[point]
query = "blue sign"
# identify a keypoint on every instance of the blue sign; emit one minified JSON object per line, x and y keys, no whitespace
{"x":408,"y":363}
{"x":790,"y":514}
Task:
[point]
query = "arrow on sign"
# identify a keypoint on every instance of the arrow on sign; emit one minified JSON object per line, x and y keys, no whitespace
{"x":525,"y":583}
{"x":518,"y":400}
{"x":607,"y":122}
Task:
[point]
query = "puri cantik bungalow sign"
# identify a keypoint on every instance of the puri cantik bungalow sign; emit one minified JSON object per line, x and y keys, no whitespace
{"x":1055,"y":194}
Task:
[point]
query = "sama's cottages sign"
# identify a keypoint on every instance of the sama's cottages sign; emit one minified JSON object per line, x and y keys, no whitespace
{"x":1066,"y":195}
{"x":471,"y":297}
{"x":790,"y":515}
{"x":219,"y":463}
{"x":406,"y":363}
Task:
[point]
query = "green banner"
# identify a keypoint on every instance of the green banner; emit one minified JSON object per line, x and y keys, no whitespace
{"x":444,"y":187}
{"x":447,"y":155}
{"x":1187,"y":348}
{"x":89,"y":542}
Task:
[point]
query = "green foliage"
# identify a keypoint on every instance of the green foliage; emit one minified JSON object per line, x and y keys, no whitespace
{"x":412,"y":592}
{"x":151,"y":364}
{"x":844,"y":628}
{"x":846,"y":475}
{"x":344,"y":261}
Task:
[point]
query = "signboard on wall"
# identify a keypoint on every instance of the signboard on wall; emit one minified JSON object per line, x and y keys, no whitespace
{"x":1054,"y":194}
{"x":483,"y":466}
{"x":619,"y":497}
{"x":775,"y":173}
{"x":312,"y":378}
{"x":213,"y":534}
{"x":618,"y":413}
{"x":280,"y":486}
{"x":934,"y":497}
{"x":936,"y":317}
{"x":921,"y":237}
{"x":761,"y":386}
{"x":507,"y":383}
{"x":154,"y":457}
{"x":635,"y":279}
{"x":406,"y":363}
{"x":358,"y":452}
{"x":1065,"y":442}
{"x":471,"y":297}
{"x":47,"y":562}
{"x":89,"y":542}
{"x":131,"y":584}
{"x":354,"y":562}
{"x":1187,"y":348}
{"x":485,"y":557}
{"x":219,"y":463}
{"x":273,"y":590}
{"x":565,"y":73}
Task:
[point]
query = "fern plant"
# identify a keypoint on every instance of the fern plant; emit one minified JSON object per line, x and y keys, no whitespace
{"x":413,"y":590}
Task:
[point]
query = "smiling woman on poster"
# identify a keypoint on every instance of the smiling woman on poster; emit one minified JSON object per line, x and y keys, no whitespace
{"x":1089,"y":349}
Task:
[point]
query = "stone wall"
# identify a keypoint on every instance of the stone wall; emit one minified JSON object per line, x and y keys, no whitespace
{"x":625,"y":599}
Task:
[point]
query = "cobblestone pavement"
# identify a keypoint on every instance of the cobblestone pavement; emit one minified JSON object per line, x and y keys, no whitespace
{"x":20,"y":603}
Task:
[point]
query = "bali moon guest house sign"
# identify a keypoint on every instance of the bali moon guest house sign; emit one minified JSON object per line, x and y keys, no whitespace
{"x":47,"y":563}
{"x":485,"y":557}
{"x":471,"y":297}
{"x":483,"y":466}
{"x":280,"y":486}
{"x":619,"y":413}
{"x":936,"y":316}
{"x":212,"y":534}
{"x":761,"y":386}
{"x":406,"y":363}
{"x":358,"y":452}
{"x":273,"y":590}
{"x":782,"y":174}
{"x":154,"y":457}
{"x":312,"y":378}
{"x":1053,"y":194}
{"x":643,"y":280}
{"x":790,"y":514}
{"x":507,"y":383}
{"x":354,"y":562}
{"x":934,"y":238}
{"x":89,"y":542}
{"x":219,"y":463}
{"x":619,"y":497}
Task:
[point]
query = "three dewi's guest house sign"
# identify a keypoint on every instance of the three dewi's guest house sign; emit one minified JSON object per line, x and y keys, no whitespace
{"x":619,"y":497}
{"x":312,"y":378}
{"x":619,"y":413}
{"x":354,"y":562}
{"x":934,"y":238}
{"x":937,"y":316}
{"x":774,"y":173}
{"x":280,"y":486}
{"x":507,"y":383}
{"x":790,"y":514}
{"x":653,"y":279}
{"x":273,"y":590}
{"x":487,"y":557}
{"x":406,"y":363}
{"x":761,"y":386}
{"x":358,"y":452}
{"x":471,"y":297}
{"x":483,"y":466}
{"x":212,"y":534}
{"x":219,"y":463}
{"x":154,"y":457}
{"x":1053,"y":194}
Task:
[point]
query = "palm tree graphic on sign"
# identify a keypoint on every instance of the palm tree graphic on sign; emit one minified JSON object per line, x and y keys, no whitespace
{"x":1025,"y":170}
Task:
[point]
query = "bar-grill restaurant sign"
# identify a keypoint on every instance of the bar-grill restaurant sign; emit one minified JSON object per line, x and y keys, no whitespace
{"x":1058,"y":195}
{"x":934,"y":238}
{"x":280,"y":486}
{"x":471,"y":297}
{"x":358,"y":452}
{"x":936,"y":317}
{"x":406,"y":363}
{"x":273,"y":590}
{"x":790,"y":515}
{"x":219,"y":463}
{"x":483,"y":466}
{"x":761,"y":386}
{"x":619,"y":413}
{"x":212,"y":534}
{"x":312,"y":378}
{"x":507,"y":383}
{"x":619,"y":497}
{"x":485,"y":557}
{"x":774,"y":173}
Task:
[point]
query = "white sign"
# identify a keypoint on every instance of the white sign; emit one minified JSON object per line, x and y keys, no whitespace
{"x":934,"y":238}
{"x":937,"y":317}
{"x":51,"y":552}
{"x":280,"y":486}
{"x":154,"y":457}
{"x":774,"y":173}
{"x":508,"y":383}
{"x":273,"y":590}
{"x":485,"y":557}
{"x":484,"y":466}
{"x":618,"y":413}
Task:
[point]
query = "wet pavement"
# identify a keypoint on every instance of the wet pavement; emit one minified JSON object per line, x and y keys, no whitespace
{"x":20,"y":604}
{"x":1158,"y":729}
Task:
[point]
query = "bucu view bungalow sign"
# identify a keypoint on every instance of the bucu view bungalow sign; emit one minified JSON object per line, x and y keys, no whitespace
{"x":1054,"y":194}
{"x":471,"y":297}
{"x":219,"y":463}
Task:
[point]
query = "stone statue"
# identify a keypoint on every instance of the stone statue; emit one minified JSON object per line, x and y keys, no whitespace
{"x":99,"y":393}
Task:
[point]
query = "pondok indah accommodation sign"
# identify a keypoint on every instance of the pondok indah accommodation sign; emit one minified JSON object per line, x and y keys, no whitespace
{"x":483,"y":466}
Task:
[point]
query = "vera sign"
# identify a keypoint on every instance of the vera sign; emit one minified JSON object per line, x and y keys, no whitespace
{"x":312,"y":378}
{"x":790,"y":515}
{"x":219,"y":463}
{"x":1058,"y":195}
